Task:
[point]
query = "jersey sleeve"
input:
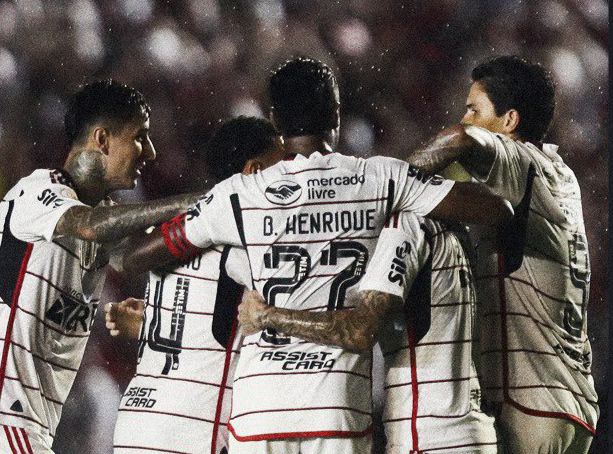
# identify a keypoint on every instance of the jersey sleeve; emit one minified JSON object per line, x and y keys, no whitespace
{"x":237,"y":267}
{"x":401,"y":251}
{"x":413,"y":189}
{"x":509,"y":170}
{"x":211,"y":220}
{"x":42,"y":200}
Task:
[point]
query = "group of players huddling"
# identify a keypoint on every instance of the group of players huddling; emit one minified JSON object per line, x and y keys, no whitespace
{"x":485,"y":348}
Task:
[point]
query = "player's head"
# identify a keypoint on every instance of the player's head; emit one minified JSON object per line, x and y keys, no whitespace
{"x":111,"y":121}
{"x":243,"y":144}
{"x":511,"y":96}
{"x":305,"y":99}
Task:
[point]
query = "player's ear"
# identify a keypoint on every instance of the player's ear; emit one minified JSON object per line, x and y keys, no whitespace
{"x":252,"y":166}
{"x":100,"y":137}
{"x":511,"y":121}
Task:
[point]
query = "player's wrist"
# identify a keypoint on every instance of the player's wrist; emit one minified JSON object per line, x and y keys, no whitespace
{"x":264,"y":317}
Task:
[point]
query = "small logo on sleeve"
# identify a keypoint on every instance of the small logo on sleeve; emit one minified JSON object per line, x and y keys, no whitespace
{"x":398,"y":268}
{"x":283,"y":192}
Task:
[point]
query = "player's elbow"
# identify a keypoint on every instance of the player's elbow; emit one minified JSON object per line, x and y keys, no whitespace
{"x":361,"y":340}
{"x":131,"y":262}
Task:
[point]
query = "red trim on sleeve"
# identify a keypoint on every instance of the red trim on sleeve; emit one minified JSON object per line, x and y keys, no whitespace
{"x":176,"y":240}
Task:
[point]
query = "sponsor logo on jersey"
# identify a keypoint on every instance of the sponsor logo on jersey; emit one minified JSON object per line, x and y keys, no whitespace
{"x":283,"y":192}
{"x":317,"y":189}
{"x":139,"y":397}
{"x":71,"y":315}
{"x":194,"y":211}
{"x":48,"y":197}
{"x":424,"y":177}
{"x":300,"y":360}
{"x":398,"y":266}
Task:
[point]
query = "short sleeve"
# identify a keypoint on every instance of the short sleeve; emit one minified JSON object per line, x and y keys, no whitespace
{"x":507,"y":176}
{"x":212,"y":219}
{"x":401,"y":251}
{"x":413,"y":189}
{"x":237,"y":267}
{"x":40,"y":201}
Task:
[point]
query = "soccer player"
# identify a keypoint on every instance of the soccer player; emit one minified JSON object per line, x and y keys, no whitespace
{"x":179,"y":398}
{"x":54,"y":223}
{"x":536,"y":355}
{"x":417,"y":299}
{"x":309,"y":225}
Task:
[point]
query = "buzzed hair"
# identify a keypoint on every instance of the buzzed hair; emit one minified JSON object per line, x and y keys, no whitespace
{"x":235,"y":142}
{"x":304,"y":97}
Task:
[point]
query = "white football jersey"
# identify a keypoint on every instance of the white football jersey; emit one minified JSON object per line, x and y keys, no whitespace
{"x":309,"y":226}
{"x":432,"y":395}
{"x":535,"y":351}
{"x":49,"y":289}
{"x":179,"y":399}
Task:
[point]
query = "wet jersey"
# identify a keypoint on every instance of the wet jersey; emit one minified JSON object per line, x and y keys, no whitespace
{"x":432,"y":395}
{"x":49,"y":289}
{"x":535,"y":351}
{"x":179,"y":399}
{"x":309,"y":226}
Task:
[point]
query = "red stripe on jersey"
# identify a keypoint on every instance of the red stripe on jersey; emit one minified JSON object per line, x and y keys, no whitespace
{"x":335,"y":202}
{"x":40,"y":358}
{"x":275,"y":410}
{"x":16,"y":435}
{"x":468,"y":445}
{"x":325,"y":240}
{"x":188,"y":380}
{"x":308,"y":170}
{"x":505,"y":359}
{"x":26,"y":439}
{"x":27,"y":418}
{"x":63,"y":292}
{"x":317,"y":434}
{"x":148,"y":448}
{"x":166,"y":413}
{"x":428,"y":382}
{"x":304,"y":373}
{"x":11,"y":321}
{"x":414,"y":389}
{"x":224,"y":379}
{"x":9,"y":438}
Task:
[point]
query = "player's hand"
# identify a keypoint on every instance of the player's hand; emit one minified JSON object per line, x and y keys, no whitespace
{"x":125,"y":318}
{"x":250,"y":312}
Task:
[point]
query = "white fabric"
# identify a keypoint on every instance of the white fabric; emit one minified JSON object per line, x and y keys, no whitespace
{"x":432,"y":378}
{"x":61,"y":285}
{"x":534,"y":335}
{"x":180,"y":396}
{"x":305,"y":222}
{"x":353,"y":445}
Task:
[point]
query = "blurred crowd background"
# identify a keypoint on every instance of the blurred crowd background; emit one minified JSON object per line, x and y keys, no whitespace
{"x":404,"y":71}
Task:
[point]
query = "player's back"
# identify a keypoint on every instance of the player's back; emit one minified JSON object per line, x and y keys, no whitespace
{"x":309,"y":226}
{"x":179,"y":398}
{"x":539,"y":317}
{"x":432,"y":395}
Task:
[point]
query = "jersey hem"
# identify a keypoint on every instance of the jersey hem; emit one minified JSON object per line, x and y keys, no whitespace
{"x":551,"y":414}
{"x":315,"y":434}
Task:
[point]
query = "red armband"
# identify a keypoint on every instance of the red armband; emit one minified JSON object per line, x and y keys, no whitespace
{"x":175,"y":239}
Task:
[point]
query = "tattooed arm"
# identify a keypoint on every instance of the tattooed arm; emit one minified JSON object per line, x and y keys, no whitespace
{"x":352,"y":329}
{"x":110,"y":223}
{"x":453,"y":144}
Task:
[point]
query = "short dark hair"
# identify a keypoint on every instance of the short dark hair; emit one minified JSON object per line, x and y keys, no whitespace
{"x":514,"y":83}
{"x":103,"y":100}
{"x":235,"y":142}
{"x":304,"y":97}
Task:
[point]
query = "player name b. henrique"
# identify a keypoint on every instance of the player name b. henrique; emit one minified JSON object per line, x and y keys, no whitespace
{"x":324,"y":222}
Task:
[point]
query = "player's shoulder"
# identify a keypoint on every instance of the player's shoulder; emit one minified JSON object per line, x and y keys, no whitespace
{"x":42,"y":178}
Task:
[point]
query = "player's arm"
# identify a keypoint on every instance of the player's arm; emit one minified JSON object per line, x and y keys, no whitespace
{"x":124,"y":319}
{"x":473,"y":203}
{"x":352,"y":329}
{"x":109,"y":223}
{"x":454,"y":144}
